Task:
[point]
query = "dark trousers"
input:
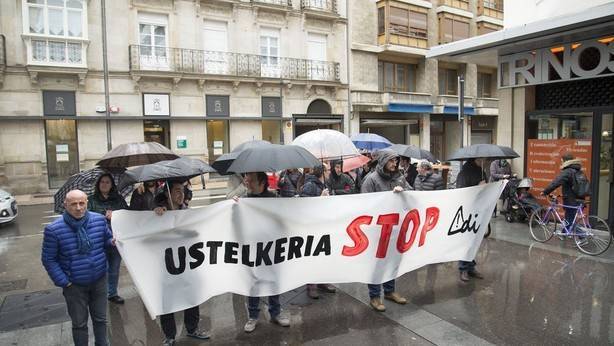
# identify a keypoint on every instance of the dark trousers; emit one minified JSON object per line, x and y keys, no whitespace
{"x":570,"y":213}
{"x":375,"y":291}
{"x":253,"y":306}
{"x":92,"y":299}
{"x":466,"y":266}
{"x":114,"y":260}
{"x":191,"y":317}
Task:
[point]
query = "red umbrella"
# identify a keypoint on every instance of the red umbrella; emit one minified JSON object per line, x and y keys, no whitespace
{"x":354,"y":162}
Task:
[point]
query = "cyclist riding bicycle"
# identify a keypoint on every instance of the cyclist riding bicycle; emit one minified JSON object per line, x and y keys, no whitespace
{"x":571,"y":173}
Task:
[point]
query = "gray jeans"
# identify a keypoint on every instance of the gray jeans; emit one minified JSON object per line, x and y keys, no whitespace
{"x":92,"y":299}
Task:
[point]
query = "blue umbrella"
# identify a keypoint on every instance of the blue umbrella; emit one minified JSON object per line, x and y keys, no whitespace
{"x":370,"y":141}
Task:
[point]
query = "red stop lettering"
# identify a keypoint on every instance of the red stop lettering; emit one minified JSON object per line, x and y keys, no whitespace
{"x":432,"y":216}
{"x":412,"y":217}
{"x":361,"y":242}
{"x":386,"y":221}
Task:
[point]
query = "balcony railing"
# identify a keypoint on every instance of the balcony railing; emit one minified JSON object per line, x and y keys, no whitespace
{"x":2,"y":52}
{"x":147,"y":58}
{"x":483,"y":102}
{"x":320,"y":5}
{"x":287,"y":3}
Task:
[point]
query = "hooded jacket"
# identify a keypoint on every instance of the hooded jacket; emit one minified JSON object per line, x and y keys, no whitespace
{"x":497,"y":171}
{"x":429,"y":182}
{"x":565,"y":180}
{"x":313,"y":187}
{"x":382,"y":179}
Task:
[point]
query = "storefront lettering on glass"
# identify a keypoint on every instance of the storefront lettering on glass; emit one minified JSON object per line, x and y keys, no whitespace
{"x":59,"y":104}
{"x":581,"y":60}
{"x":271,"y":106}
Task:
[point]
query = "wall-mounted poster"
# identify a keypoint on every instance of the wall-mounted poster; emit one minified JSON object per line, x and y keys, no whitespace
{"x":156,"y":105}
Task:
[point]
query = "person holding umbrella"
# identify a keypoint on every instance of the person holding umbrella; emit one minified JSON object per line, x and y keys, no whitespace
{"x":470,"y":175}
{"x":144,"y":196}
{"x":258,"y":187}
{"x":386,"y":177}
{"x":173,"y":199}
{"x":104,"y":201}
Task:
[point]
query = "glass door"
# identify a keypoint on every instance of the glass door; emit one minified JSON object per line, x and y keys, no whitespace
{"x":62,"y":154}
{"x":217,"y":138}
{"x":605,"y":189}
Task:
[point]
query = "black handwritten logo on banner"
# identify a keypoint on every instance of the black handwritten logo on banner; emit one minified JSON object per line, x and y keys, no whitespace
{"x":462,"y":225}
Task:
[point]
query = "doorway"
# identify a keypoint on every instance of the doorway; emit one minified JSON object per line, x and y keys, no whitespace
{"x":157,"y":131}
{"x":62,"y":153}
{"x":217,"y":138}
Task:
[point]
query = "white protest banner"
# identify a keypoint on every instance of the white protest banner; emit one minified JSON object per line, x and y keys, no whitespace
{"x":267,"y":246}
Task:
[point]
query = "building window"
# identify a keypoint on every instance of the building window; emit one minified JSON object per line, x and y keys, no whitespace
{"x":493,"y":4}
{"x":486,"y":28}
{"x":153,"y":41}
{"x":407,"y":23}
{"x":381,"y":20}
{"x":269,"y":51}
{"x":448,"y":81}
{"x":452,"y":28}
{"x":484,"y":84}
{"x":55,"y":31}
{"x":395,"y":77}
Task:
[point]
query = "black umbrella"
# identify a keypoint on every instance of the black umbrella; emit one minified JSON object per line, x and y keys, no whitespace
{"x":223,"y":162}
{"x":412,"y":151}
{"x":484,"y":151}
{"x":181,"y":168}
{"x":86,"y":182}
{"x":136,"y":154}
{"x":273,"y":158}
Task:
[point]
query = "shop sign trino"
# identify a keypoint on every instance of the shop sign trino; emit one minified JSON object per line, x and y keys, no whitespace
{"x":580,"y":60}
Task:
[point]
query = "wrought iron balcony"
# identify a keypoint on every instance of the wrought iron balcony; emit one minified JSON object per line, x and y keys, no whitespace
{"x":320,"y":5}
{"x":2,"y":52}
{"x":192,"y":61}
{"x":287,"y":3}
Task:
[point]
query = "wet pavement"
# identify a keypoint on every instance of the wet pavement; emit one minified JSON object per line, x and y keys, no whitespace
{"x":532,"y":294}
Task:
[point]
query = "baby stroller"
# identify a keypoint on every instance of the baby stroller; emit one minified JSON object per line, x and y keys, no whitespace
{"x":518,"y":201}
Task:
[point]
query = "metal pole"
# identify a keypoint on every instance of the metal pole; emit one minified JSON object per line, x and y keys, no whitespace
{"x":281,"y":109}
{"x":105,"y":69}
{"x":461,"y":107}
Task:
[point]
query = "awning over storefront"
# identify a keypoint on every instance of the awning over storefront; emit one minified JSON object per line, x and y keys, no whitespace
{"x":410,"y":108}
{"x":454,"y":110}
{"x":484,"y":50}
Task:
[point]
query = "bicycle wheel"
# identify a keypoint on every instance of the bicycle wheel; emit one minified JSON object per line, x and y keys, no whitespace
{"x":592,"y":237}
{"x":542,"y":224}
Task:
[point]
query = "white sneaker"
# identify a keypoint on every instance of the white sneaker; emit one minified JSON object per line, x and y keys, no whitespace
{"x":281,"y":320}
{"x":250,"y":326}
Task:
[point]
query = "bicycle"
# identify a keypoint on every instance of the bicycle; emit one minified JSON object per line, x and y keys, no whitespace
{"x":590,"y":233}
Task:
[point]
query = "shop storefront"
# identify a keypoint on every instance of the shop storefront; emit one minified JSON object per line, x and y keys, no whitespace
{"x":218,"y":117}
{"x":319,"y":116}
{"x":574,"y":117}
{"x":556,"y":82}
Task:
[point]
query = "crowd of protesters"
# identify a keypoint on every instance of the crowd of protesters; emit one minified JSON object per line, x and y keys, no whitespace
{"x":80,"y":256}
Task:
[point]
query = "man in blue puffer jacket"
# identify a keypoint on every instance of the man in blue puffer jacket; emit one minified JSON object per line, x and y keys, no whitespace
{"x":74,"y":256}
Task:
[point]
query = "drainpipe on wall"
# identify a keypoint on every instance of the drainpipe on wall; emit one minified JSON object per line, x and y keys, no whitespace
{"x":105,"y":68}
{"x":348,"y":62}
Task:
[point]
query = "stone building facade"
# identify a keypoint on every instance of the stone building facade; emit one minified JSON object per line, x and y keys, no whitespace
{"x":412,"y":99}
{"x":199,"y":76}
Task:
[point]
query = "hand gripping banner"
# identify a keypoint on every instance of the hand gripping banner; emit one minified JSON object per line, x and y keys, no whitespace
{"x":267,"y":246}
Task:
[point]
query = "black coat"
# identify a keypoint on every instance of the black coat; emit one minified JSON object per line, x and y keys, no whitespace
{"x":313,"y":187}
{"x":470,"y":175}
{"x":565,"y":180}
